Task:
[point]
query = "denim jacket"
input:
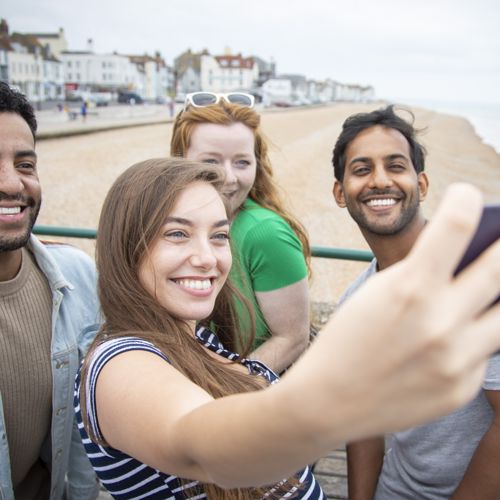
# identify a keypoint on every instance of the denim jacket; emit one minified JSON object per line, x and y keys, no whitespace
{"x":75,"y":314}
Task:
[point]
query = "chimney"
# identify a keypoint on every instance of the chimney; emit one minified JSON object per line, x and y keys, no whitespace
{"x":4,"y":27}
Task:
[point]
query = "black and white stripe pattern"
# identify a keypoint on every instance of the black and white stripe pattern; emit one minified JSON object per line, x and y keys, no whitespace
{"x":210,"y":340}
{"x":125,"y":477}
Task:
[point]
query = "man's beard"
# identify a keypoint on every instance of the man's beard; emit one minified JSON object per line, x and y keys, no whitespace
{"x":407,"y":215}
{"x":9,"y":244}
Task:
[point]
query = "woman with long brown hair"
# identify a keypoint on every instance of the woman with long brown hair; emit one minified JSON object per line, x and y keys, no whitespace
{"x":271,"y":248}
{"x":166,"y":409}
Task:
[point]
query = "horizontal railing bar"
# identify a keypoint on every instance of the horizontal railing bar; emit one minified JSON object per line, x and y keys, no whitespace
{"x":342,"y":253}
{"x":69,"y":232}
{"x":316,"y":251}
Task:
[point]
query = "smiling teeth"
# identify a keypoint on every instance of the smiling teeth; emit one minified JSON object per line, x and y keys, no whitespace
{"x":381,"y":203}
{"x":195,"y":284}
{"x":9,"y":210}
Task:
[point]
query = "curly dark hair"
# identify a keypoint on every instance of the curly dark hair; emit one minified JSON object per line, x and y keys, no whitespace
{"x":13,"y":101}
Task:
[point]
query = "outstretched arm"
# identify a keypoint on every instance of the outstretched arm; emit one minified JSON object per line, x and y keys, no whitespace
{"x":440,"y":337}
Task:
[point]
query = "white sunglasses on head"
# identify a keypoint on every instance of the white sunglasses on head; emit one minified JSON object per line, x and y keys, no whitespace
{"x":202,"y":99}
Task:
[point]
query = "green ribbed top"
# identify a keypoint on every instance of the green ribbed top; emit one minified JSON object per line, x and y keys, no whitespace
{"x":267,"y":255}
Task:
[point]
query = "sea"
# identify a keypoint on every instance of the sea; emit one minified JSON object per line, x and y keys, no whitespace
{"x":484,"y":117}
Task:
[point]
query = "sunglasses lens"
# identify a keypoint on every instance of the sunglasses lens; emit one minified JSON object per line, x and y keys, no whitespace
{"x":242,"y":99}
{"x":203,"y":99}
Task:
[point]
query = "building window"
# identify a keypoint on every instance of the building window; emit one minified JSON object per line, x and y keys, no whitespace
{"x":77,"y":64}
{"x":68,"y":64}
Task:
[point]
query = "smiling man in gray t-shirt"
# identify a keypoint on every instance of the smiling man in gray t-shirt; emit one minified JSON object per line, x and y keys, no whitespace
{"x":380,"y":179}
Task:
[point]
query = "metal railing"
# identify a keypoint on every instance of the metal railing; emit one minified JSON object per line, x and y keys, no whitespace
{"x":316,"y":251}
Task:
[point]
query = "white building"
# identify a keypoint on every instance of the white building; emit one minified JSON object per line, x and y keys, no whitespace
{"x":355,"y":93}
{"x":88,"y":71}
{"x":30,"y":66}
{"x":227,"y":73}
{"x":25,"y":71}
{"x":326,"y":90}
{"x":53,"y":79}
{"x":4,"y":65}
{"x":155,"y":79}
{"x":277,"y":91}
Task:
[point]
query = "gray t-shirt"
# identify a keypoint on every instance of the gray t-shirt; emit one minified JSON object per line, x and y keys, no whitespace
{"x":428,"y":462}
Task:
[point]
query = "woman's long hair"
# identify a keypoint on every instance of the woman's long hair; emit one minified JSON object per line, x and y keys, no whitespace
{"x":133,"y":213}
{"x":264,"y":191}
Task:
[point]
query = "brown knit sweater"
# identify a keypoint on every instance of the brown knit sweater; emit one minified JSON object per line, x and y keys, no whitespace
{"x":25,"y":372}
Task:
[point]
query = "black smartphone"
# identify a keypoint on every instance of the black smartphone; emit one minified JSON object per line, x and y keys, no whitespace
{"x":486,"y":234}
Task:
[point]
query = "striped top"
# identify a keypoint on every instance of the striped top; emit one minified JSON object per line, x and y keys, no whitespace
{"x":127,"y":478}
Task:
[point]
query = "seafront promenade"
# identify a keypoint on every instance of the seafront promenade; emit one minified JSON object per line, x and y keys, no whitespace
{"x":65,"y":123}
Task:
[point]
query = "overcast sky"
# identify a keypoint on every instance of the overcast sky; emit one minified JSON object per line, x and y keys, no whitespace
{"x":423,"y":49}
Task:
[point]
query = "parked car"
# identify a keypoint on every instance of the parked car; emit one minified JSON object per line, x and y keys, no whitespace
{"x":282,"y":104}
{"x":301,"y":101}
{"x":100,"y":98}
{"x":130,"y":98}
{"x":73,"y":97}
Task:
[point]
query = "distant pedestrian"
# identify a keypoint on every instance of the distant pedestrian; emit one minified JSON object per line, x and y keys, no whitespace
{"x":83,"y":110}
{"x":71,"y":114}
{"x":171,"y":107}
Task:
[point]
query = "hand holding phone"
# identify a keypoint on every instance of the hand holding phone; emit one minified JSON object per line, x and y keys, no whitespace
{"x":487,"y":232}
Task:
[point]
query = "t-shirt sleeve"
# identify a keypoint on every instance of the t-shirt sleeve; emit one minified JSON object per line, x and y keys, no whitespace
{"x":492,"y":379}
{"x":358,"y":282}
{"x":104,"y":353}
{"x":274,"y":255}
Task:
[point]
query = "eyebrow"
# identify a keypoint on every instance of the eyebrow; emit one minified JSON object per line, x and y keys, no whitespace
{"x":187,"y":222}
{"x":25,"y":152}
{"x":397,"y":156}
{"x":215,"y":153}
{"x":367,"y":159}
